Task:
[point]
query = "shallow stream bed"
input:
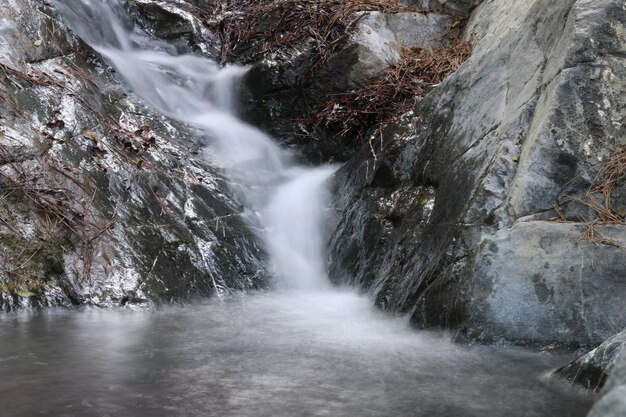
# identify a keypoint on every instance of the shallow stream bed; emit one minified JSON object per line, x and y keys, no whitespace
{"x":270,"y":354}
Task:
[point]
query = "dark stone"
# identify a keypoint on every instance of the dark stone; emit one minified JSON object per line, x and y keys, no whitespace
{"x":593,"y":369}
{"x":613,"y":400}
{"x":519,"y":127}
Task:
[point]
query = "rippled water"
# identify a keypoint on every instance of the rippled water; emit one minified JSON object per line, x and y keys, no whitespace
{"x":278,"y":354}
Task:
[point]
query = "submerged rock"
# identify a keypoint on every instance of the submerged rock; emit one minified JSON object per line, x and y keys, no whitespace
{"x":106,"y":202}
{"x":523,"y":125}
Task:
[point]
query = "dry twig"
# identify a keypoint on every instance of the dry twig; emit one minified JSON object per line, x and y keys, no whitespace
{"x":378,"y":103}
{"x":273,"y":26}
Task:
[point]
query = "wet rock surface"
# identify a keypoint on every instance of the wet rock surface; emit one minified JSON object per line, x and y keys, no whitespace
{"x":458,"y":7}
{"x":176,"y":22}
{"x":592,"y":369}
{"x":103,"y":201}
{"x":613,"y":401}
{"x":525,"y":123}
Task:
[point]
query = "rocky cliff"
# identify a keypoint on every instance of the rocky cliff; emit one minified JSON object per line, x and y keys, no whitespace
{"x":103,"y":201}
{"x":478,"y":212}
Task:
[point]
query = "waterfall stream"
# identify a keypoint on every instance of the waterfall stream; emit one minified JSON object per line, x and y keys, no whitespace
{"x":287,"y":200}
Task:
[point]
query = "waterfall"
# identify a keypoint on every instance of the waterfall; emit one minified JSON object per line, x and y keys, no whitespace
{"x":287,"y":200}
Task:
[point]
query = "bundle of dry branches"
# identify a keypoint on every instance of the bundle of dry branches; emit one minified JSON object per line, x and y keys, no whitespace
{"x":59,"y":201}
{"x":418,"y":70}
{"x":599,"y":198}
{"x":272,"y":26}
{"x":613,"y":172}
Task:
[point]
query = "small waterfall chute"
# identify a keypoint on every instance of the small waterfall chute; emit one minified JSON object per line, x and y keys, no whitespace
{"x":289,"y":199}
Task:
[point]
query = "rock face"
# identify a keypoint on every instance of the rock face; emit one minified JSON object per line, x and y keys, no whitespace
{"x":447,"y":216}
{"x":176,"y":23}
{"x":537,"y":282}
{"x":284,"y":89}
{"x":459,"y":7}
{"x":377,"y":40}
{"x":103,"y":202}
{"x":592,"y":369}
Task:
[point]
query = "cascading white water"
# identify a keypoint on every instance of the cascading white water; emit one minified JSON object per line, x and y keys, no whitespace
{"x":294,"y":218}
{"x":289,"y":200}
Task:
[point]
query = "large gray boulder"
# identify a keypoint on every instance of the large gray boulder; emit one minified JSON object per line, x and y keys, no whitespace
{"x":537,"y":281}
{"x":102,"y":201}
{"x":449,"y":215}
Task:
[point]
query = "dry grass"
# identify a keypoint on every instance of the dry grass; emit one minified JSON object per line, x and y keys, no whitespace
{"x":60,"y":203}
{"x":250,"y":30}
{"x":593,"y":235}
{"x":58,"y":198}
{"x":395,"y":93}
{"x":599,"y":199}
{"x":612,"y":173}
{"x":273,"y":26}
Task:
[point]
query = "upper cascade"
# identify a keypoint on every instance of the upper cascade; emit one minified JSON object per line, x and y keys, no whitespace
{"x":286,"y":199}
